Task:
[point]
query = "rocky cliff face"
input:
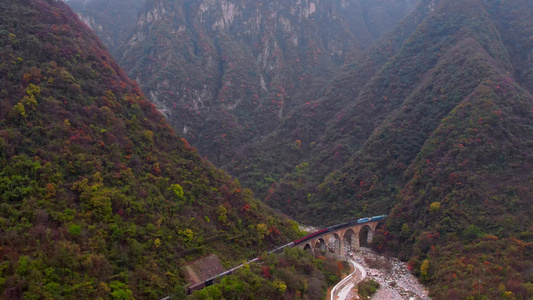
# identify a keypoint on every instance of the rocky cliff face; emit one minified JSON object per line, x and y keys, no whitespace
{"x":227,"y":72}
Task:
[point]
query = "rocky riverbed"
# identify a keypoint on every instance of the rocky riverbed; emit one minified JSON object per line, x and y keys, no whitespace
{"x":397,"y":283}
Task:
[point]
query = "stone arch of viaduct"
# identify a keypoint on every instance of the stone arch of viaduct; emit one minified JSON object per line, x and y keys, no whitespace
{"x":355,"y":236}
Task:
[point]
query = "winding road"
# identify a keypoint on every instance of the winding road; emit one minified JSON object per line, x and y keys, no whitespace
{"x":343,"y":288}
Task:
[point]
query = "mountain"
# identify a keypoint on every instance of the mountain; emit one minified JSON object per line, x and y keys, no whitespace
{"x":99,"y":198}
{"x":225,"y":73}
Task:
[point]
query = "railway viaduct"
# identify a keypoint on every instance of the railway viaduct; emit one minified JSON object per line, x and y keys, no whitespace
{"x":355,"y":236}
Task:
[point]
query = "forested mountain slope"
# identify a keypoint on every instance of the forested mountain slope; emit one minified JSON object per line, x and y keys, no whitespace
{"x":378,"y":134}
{"x":98,"y":196}
{"x":442,"y":134}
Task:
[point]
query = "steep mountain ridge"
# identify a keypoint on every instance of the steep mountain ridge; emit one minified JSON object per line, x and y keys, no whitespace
{"x":399,"y":94}
{"x":99,"y":198}
{"x":516,"y":22}
{"x":469,"y":194}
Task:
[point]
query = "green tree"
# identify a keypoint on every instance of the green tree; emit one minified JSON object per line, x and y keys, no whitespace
{"x":74,"y":229}
{"x":222,"y":215}
{"x":121,"y":291}
{"x":434,"y":207}
{"x":177,"y":190}
{"x":262,"y":230}
{"x":424,"y":269}
{"x":187,"y":235}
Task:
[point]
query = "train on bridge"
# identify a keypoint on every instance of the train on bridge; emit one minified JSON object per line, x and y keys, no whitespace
{"x":297,"y":242}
